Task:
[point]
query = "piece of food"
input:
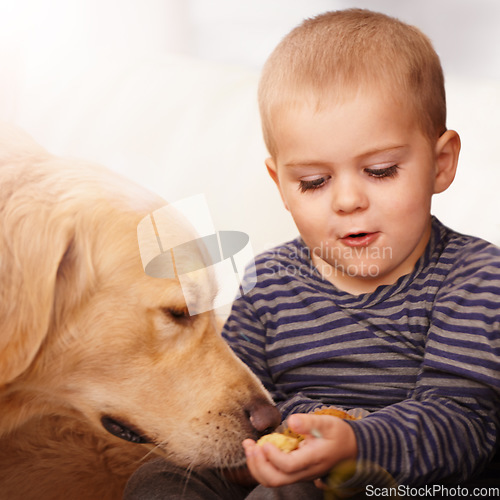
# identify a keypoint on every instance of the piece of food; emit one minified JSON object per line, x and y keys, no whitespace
{"x":288,"y":440}
{"x":283,"y":442}
{"x":335,"y":412}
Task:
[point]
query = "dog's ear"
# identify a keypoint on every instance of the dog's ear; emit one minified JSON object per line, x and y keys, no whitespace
{"x":41,"y":276}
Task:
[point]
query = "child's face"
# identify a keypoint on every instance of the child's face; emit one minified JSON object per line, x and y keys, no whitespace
{"x":358,"y":178}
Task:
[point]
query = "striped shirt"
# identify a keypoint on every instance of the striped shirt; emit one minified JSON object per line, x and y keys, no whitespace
{"x":421,"y":355}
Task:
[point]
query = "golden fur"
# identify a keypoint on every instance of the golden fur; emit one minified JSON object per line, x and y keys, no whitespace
{"x":86,"y":334}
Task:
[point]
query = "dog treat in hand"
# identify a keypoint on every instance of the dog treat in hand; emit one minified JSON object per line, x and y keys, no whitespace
{"x":282,"y":441}
{"x":288,"y":440}
{"x":335,"y":412}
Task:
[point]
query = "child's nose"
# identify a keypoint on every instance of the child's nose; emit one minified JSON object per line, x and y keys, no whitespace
{"x":348,"y":196}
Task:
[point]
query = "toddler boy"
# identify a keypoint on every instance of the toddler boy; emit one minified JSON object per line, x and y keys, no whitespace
{"x":377,"y":305}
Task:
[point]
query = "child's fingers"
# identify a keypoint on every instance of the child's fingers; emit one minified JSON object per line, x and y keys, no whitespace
{"x":320,"y":484}
{"x":319,"y":426}
{"x":294,"y":462}
{"x":332,"y":438}
{"x":328,"y":440}
{"x":261,"y":468}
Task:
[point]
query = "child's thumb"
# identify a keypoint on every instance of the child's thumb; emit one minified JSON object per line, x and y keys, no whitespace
{"x":304,"y":423}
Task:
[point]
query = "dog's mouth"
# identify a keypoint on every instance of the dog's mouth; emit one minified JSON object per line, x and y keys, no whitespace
{"x":124,"y":430}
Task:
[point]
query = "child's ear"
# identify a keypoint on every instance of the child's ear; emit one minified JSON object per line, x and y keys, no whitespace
{"x":273,"y":172}
{"x":447,"y":152}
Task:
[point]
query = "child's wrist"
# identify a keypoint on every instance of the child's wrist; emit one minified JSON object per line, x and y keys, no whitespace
{"x":350,"y":442}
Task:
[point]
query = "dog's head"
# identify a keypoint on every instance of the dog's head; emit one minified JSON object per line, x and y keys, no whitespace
{"x":84,"y":329}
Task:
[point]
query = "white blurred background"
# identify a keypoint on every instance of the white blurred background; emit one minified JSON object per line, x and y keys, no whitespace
{"x":164,"y":91}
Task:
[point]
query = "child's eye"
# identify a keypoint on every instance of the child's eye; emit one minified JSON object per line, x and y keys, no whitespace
{"x":382,"y":173}
{"x":307,"y":185}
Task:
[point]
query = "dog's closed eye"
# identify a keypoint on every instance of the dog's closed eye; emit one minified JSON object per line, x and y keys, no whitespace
{"x":177,"y":314}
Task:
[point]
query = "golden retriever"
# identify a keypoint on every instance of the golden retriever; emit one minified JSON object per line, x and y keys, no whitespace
{"x":100,"y":364}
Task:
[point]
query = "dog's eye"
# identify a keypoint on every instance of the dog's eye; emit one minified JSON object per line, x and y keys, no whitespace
{"x":177,"y":314}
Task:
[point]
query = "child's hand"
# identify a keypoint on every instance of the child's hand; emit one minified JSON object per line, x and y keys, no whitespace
{"x":313,"y":459}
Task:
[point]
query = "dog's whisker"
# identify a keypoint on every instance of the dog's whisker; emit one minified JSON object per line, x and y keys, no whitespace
{"x":146,"y":456}
{"x":153,"y":450}
{"x":188,"y":473}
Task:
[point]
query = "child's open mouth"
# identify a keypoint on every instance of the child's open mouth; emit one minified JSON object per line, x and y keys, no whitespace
{"x":359,"y":239}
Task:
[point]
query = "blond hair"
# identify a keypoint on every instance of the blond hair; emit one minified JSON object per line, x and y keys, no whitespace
{"x":337,"y":52}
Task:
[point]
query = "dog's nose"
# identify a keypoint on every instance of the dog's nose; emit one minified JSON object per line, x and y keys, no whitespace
{"x":264,"y":417}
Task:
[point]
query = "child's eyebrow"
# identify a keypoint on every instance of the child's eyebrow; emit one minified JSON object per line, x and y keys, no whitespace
{"x":362,"y":156}
{"x":312,"y":163}
{"x":382,"y":150}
